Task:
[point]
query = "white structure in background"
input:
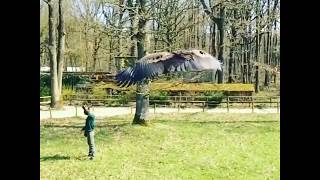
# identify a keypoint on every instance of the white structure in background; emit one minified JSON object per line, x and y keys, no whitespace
{"x":76,"y":69}
{"x":45,"y":69}
{"x":69,"y":69}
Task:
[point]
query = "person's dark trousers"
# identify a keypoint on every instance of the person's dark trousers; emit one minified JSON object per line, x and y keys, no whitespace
{"x":90,"y":140}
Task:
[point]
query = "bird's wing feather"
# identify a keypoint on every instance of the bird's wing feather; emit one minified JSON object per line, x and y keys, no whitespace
{"x":156,"y":64}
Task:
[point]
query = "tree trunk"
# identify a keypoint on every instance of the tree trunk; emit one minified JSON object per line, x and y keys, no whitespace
{"x":120,"y":24}
{"x":142,"y":96}
{"x":213,"y":39}
{"x":267,"y":60}
{"x":204,"y":35}
{"x":220,"y":26}
{"x":231,"y":55}
{"x":96,"y":48}
{"x":213,"y":46}
{"x":244,"y":77}
{"x":257,"y":45}
{"x":111,"y":59}
{"x":249,"y":58}
{"x":256,"y":85}
{"x":220,"y":46}
{"x":61,"y":48}
{"x":250,"y":52}
{"x":86,"y":51}
{"x":230,"y":80}
{"x":133,"y":24}
{"x":142,"y":104}
{"x":55,"y":95}
{"x":245,"y":74}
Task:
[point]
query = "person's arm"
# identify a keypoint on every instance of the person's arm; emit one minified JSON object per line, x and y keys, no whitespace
{"x":84,"y":108}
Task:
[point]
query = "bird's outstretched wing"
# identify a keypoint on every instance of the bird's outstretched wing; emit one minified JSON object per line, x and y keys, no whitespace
{"x":153,"y":65}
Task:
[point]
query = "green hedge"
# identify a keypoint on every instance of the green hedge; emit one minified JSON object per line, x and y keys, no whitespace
{"x":67,"y":80}
{"x":179,"y":86}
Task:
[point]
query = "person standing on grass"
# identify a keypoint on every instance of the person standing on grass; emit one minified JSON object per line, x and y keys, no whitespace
{"x":89,"y":131}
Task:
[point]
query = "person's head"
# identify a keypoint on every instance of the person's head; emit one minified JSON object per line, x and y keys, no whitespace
{"x":86,"y":110}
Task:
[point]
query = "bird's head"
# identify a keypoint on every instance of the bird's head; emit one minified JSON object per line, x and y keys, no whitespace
{"x":200,"y":54}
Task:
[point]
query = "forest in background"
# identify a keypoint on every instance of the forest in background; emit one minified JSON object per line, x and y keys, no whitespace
{"x":92,"y":34}
{"x":241,"y":33}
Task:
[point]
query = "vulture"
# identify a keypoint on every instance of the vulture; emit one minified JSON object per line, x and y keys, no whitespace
{"x":156,"y":64}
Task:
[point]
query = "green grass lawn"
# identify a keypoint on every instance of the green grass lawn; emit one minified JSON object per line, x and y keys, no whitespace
{"x":174,"y":146}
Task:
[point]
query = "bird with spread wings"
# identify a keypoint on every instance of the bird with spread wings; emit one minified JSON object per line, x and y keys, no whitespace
{"x":156,"y":64}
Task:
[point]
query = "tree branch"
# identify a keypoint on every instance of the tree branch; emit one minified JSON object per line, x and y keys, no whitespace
{"x":209,"y":13}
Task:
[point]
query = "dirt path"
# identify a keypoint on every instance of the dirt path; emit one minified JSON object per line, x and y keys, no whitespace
{"x":100,"y":112}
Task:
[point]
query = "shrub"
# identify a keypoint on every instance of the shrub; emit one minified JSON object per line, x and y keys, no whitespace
{"x":67,"y":92}
{"x":159,"y":95}
{"x":44,"y":85}
{"x":99,"y":92}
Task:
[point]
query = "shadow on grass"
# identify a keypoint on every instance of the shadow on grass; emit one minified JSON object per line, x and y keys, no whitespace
{"x":54,"y":158}
{"x":217,"y":121}
{"x":224,"y":122}
{"x":61,"y":157}
{"x":126,"y":123}
{"x":115,"y":124}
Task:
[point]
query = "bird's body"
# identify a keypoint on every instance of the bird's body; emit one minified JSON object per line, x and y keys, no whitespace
{"x":153,"y":65}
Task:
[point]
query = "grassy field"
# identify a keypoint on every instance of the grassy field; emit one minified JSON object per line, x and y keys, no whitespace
{"x":178,"y":146}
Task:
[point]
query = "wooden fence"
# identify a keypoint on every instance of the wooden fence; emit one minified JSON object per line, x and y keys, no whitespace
{"x":179,"y":101}
{"x":45,"y":100}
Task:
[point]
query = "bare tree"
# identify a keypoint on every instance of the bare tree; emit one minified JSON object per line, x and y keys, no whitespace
{"x":61,"y":45}
{"x":171,"y":24}
{"x":142,"y":96}
{"x":257,"y":45}
{"x":55,"y":91}
{"x":219,"y":21}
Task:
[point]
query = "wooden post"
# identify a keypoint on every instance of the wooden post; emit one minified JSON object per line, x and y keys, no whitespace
{"x":154,"y":108}
{"x":50,"y":112}
{"x":203,"y":105}
{"x":228,"y":103}
{"x":131,"y":109}
{"x":270,"y":102}
{"x":178,"y":107}
{"x":76,"y":111}
{"x":252,"y":104}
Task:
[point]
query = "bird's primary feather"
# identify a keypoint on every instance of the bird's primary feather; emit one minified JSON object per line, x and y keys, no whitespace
{"x":153,"y":65}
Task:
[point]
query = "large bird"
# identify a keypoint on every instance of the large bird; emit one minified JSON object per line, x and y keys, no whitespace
{"x":153,"y":65}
